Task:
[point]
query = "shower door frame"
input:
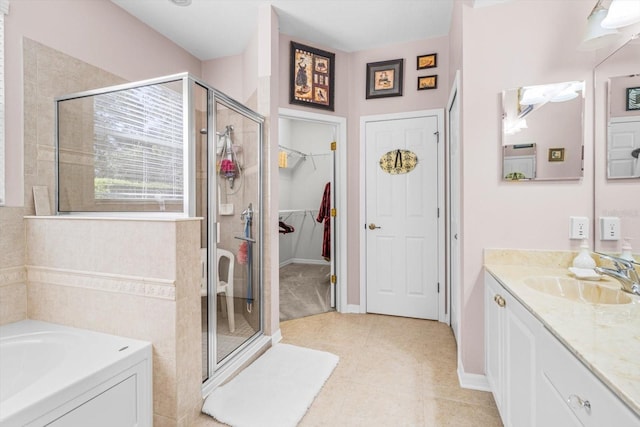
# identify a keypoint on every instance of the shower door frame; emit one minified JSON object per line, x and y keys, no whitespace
{"x":217,"y":372}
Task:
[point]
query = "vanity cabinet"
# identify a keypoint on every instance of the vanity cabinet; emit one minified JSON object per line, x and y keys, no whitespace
{"x":510,"y":348}
{"x":568,"y":390}
{"x":534,"y":378}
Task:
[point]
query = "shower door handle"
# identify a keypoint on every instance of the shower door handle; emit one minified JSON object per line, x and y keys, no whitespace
{"x":372,"y":226}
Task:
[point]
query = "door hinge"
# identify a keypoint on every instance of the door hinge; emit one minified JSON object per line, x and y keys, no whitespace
{"x":333,"y":278}
{"x":437,"y":134}
{"x":334,"y":146}
{"x":334,"y":212}
{"x":438,"y":287}
{"x":438,"y":212}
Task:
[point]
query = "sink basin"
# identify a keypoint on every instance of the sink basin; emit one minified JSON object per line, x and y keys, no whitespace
{"x":577,"y":290}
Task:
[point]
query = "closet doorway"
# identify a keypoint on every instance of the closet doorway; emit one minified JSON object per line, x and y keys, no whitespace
{"x":307,"y":209}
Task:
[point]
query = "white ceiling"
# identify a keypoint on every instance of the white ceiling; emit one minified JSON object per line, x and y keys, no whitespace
{"x":211,"y":29}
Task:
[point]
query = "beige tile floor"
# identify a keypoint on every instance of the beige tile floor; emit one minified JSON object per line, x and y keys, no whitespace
{"x":393,"y":371}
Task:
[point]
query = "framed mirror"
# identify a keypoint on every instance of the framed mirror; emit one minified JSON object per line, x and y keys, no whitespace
{"x":542,"y":132}
{"x":623,"y":126}
{"x":616,"y":184}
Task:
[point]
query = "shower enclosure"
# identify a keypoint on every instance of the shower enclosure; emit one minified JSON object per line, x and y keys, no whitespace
{"x":174,"y":146}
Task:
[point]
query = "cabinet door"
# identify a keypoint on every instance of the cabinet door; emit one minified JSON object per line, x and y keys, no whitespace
{"x":521,"y":329}
{"x":493,"y":345}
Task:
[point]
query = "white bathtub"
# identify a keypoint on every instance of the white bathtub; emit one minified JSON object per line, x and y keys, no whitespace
{"x":61,"y":376}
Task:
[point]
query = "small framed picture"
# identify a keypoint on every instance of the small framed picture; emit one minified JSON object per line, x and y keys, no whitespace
{"x":556,"y":154}
{"x":384,"y":78}
{"x":428,"y":82}
{"x":427,"y":61}
{"x":633,"y":98}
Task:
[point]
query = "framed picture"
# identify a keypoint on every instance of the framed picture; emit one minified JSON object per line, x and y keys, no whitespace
{"x":311,"y":77}
{"x":556,"y":154}
{"x":427,"y":61}
{"x":633,"y":98}
{"x":428,"y":82}
{"x":384,"y":78}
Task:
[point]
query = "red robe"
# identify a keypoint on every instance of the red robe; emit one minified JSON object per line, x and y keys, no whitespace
{"x":324,"y":215}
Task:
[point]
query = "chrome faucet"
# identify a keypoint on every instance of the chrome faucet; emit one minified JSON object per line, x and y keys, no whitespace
{"x":624,"y":272}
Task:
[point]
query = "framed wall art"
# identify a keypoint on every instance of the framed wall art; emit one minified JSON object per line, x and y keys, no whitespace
{"x":427,"y":82}
{"x":311,"y":77}
{"x":384,"y":78}
{"x":556,"y":154}
{"x":427,"y":61}
{"x":633,"y":98}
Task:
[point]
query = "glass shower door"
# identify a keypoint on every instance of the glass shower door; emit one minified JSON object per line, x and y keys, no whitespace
{"x":234,"y":302}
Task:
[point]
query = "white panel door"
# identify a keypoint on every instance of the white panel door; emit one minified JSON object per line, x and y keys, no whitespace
{"x":624,"y":137}
{"x":402,"y":252}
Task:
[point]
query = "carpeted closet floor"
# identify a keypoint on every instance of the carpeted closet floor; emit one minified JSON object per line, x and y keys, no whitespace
{"x":304,"y":290}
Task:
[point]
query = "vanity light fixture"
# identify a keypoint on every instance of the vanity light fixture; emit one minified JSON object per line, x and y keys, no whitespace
{"x":595,"y":36}
{"x":622,"y":13}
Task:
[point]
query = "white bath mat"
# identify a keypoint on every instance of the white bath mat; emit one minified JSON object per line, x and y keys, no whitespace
{"x":275,"y":390}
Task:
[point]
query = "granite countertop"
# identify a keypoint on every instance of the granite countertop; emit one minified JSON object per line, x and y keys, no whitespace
{"x":605,"y":337}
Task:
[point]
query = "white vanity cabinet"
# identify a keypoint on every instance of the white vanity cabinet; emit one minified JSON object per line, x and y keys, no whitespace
{"x":510,"y":348}
{"x":535,"y":379}
{"x":569,"y":390}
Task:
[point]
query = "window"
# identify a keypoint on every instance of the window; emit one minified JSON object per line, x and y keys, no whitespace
{"x":138,"y":144}
{"x":122,"y":150}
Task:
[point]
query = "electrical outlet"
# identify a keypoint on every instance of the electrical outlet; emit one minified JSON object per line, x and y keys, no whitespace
{"x":579,"y":227}
{"x":609,"y":228}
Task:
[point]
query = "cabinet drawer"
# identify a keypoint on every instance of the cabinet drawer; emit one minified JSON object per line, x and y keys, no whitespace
{"x":585,"y":395}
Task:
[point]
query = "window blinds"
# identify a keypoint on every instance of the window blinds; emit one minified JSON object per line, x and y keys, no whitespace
{"x":138,"y":144}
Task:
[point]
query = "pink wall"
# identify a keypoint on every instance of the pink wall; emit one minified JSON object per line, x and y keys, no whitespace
{"x":351,"y":102}
{"x":217,"y":73}
{"x":97,"y":32}
{"x":504,"y":46}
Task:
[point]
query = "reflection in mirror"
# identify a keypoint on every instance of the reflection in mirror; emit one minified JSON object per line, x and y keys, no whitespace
{"x":616,"y":198}
{"x":542,"y":131}
{"x":519,"y":161}
{"x":623,"y":137}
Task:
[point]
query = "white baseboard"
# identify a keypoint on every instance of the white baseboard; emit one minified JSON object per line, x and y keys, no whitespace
{"x":276,"y":337}
{"x":353,"y":308}
{"x":472,"y":381}
{"x":304,"y":261}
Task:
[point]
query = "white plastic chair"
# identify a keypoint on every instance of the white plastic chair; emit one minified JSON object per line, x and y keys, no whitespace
{"x":222,"y":286}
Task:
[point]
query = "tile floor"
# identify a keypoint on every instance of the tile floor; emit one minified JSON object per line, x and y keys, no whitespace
{"x":393,"y":371}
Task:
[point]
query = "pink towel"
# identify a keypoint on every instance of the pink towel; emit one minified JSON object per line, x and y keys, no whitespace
{"x":242,"y":253}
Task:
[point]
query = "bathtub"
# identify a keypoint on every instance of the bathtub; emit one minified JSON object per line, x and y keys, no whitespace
{"x":60,"y":376}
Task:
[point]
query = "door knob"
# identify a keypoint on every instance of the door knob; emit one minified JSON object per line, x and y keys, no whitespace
{"x":372,"y":226}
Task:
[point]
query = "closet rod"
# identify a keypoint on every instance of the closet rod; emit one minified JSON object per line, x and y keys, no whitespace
{"x":291,"y":150}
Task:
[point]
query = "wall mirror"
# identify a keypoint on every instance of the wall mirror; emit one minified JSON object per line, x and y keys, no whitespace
{"x":616,"y":136}
{"x":542,"y":132}
{"x":623,"y":126}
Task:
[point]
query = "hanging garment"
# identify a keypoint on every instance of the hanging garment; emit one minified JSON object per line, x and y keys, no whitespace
{"x":286,"y":228}
{"x":324,"y":215}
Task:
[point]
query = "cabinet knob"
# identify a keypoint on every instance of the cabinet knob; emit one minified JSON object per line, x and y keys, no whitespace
{"x":577,"y":402}
{"x":500,"y":300}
